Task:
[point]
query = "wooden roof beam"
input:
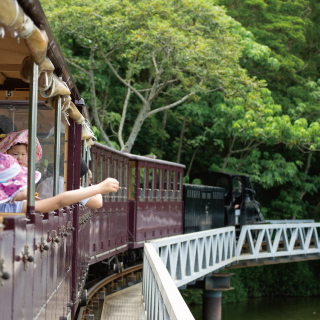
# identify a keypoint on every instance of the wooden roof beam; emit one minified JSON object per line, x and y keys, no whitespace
{"x":10,"y":67}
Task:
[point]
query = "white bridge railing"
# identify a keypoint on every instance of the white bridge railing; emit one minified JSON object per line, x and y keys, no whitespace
{"x":162,"y":299}
{"x":173,"y":262}
{"x":192,"y":256}
{"x":278,"y":240}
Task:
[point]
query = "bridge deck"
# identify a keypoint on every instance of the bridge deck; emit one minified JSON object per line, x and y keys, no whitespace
{"x":125,"y":304}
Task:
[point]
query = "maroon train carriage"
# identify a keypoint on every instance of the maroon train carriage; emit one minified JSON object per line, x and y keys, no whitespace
{"x":147,"y":206}
{"x":155,"y":199}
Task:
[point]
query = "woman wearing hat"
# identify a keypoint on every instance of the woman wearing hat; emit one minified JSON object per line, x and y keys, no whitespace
{"x":13,"y":185}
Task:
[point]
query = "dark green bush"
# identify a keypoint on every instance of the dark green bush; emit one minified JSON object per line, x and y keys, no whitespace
{"x":290,"y":279}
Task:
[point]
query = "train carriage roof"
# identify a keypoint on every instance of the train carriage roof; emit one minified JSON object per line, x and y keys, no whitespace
{"x":140,"y":158}
{"x":14,"y":49}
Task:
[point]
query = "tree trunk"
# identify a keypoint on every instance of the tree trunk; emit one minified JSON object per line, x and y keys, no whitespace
{"x":191,"y":161}
{"x":136,"y":128}
{"x":164,"y":123}
{"x":226,"y":160}
{"x":306,"y":171}
{"x":164,"y":120}
{"x":183,"y":130}
{"x":94,"y":100}
{"x":123,"y":117}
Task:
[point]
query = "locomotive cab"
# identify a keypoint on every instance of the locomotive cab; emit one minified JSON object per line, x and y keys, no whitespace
{"x":240,"y":206}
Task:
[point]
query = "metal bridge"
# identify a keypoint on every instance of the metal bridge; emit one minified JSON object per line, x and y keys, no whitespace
{"x":174,"y":262}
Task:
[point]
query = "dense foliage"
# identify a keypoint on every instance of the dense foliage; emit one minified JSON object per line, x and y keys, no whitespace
{"x":288,"y":171}
{"x":293,"y":279}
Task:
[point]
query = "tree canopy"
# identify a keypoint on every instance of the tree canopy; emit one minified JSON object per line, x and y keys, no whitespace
{"x":178,"y":52}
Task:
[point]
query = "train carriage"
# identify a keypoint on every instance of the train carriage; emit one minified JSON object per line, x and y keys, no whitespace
{"x":240,"y":207}
{"x":204,"y":208}
{"x":108,"y":233}
{"x":155,"y":199}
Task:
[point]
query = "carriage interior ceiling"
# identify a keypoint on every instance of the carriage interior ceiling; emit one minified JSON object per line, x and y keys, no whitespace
{"x":45,"y":258}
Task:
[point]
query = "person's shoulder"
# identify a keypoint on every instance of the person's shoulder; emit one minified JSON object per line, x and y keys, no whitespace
{"x":47,"y":180}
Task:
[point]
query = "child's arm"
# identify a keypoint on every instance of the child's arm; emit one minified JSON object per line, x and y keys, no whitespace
{"x":22,"y":195}
{"x":67,"y":198}
{"x":95,"y":202}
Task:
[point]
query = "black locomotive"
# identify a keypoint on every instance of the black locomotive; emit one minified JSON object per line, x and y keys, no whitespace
{"x":221,"y":199}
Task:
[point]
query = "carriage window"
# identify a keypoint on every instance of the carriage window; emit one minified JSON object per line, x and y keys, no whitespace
{"x":14,"y":118}
{"x":237,"y":187}
{"x":93,"y":163}
{"x":108,"y":168}
{"x":114,"y":169}
{"x":166,"y":185}
{"x":151,"y":183}
{"x":120,"y":182}
{"x":107,"y":195}
{"x":84,"y":178}
{"x":132,"y":180}
{"x":179,"y":186}
{"x":125,"y":182}
{"x":223,"y":183}
{"x":114,"y":175}
{"x":99,"y":169}
{"x":64,"y":130}
{"x":86,"y":157}
{"x":173,"y":182}
{"x":142,"y":184}
{"x":159,"y":184}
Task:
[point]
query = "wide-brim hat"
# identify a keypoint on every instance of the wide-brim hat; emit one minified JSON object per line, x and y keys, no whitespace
{"x":13,"y":177}
{"x":14,"y":138}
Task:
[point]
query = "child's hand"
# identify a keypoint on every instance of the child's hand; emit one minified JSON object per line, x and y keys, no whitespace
{"x":22,"y":195}
{"x":109,"y":185}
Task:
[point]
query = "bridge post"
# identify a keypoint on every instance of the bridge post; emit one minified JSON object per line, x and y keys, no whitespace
{"x":212,"y":295}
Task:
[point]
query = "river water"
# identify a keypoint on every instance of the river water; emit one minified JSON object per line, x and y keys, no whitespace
{"x":277,"y":308}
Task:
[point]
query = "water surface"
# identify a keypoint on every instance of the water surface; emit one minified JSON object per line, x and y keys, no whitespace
{"x":277,"y":308}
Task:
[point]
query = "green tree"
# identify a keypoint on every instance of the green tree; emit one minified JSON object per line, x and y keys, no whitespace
{"x":179,"y":51}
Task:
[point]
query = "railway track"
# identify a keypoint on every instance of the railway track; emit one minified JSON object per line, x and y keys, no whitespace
{"x":107,"y":286}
